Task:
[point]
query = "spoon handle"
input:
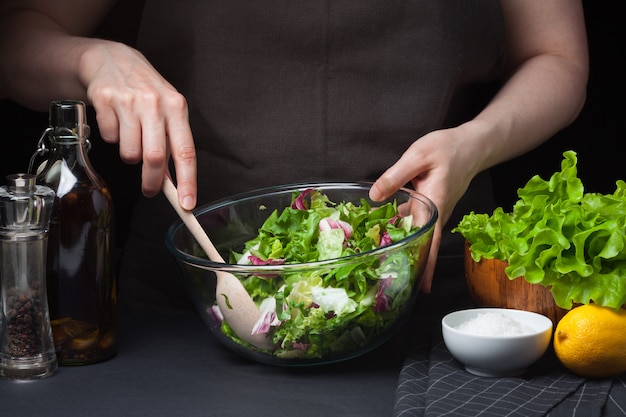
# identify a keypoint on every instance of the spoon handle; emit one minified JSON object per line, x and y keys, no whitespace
{"x":169,"y":189}
{"x":238,"y":309}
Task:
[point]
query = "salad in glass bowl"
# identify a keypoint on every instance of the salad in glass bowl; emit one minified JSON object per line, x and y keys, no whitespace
{"x":333,"y":274}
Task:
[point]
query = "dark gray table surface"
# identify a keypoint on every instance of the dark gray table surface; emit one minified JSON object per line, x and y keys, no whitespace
{"x":168,"y":364}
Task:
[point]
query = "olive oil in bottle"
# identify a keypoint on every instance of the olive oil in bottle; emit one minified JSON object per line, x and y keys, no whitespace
{"x":81,"y":243}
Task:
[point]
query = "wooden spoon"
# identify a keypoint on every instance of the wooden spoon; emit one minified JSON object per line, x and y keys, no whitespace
{"x":235,"y":303}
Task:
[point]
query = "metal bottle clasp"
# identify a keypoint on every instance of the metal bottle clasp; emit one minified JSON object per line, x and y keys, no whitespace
{"x":41,"y":151}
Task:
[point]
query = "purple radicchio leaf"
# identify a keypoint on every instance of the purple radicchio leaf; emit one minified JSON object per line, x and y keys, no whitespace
{"x":383,"y":301}
{"x":300,"y":203}
{"x":329,"y":224}
{"x":268,"y":317}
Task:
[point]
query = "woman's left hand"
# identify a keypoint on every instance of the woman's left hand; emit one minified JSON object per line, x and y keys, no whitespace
{"x":440,"y":165}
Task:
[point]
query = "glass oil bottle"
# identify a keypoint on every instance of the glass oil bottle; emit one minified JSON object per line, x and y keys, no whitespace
{"x":81,"y":251}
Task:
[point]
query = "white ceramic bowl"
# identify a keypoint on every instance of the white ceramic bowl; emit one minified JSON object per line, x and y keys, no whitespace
{"x":503,"y":354}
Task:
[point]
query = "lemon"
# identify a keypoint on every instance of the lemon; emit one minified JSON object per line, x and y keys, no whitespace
{"x":590,"y":341}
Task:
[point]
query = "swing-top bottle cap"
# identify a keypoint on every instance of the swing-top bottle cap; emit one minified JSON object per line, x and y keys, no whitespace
{"x":69,"y":118}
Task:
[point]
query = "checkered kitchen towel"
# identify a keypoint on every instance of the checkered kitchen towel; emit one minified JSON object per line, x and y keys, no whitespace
{"x":433,"y":383}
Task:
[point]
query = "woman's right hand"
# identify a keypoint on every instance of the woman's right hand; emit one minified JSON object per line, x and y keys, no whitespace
{"x":50,"y":56}
{"x":138,"y":109}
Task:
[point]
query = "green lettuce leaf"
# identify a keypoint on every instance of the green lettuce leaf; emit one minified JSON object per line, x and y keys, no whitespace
{"x":323,"y":312}
{"x":560,"y":237}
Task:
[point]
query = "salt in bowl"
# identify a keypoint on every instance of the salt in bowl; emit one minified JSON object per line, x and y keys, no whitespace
{"x":496,"y":342}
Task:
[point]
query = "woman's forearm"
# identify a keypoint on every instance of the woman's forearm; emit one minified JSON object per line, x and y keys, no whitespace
{"x":542,"y":97}
{"x":547,"y":60}
{"x":41,"y":56}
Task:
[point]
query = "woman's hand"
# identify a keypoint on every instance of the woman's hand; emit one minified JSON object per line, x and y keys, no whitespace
{"x":50,"y":56}
{"x":439,"y":165}
{"x":137,"y":108}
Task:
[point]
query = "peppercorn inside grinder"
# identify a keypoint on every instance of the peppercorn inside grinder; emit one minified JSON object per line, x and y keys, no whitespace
{"x":26,"y":345}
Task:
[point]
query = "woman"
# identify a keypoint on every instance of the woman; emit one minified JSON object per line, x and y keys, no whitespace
{"x":246,"y":95}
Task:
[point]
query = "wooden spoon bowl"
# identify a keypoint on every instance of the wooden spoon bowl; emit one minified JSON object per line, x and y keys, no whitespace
{"x":236,"y":305}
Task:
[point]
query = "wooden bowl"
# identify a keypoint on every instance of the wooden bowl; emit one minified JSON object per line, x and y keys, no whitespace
{"x":489,"y":286}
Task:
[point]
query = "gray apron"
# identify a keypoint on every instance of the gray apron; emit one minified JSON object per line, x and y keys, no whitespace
{"x":303,"y":90}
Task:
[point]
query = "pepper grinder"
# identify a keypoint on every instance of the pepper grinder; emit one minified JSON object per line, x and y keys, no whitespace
{"x":26,"y":345}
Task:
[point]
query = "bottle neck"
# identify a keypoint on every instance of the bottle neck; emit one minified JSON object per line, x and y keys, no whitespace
{"x":68,"y":163}
{"x":69,"y":149}
{"x":66,"y":140}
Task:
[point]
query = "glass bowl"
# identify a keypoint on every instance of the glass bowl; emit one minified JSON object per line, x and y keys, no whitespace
{"x":308,"y":332}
